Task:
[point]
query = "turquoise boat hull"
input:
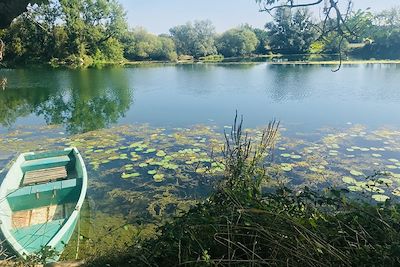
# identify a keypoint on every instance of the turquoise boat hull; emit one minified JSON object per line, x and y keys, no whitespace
{"x":40,"y":202}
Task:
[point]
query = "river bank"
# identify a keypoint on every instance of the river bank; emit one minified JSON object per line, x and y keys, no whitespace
{"x":271,"y":60}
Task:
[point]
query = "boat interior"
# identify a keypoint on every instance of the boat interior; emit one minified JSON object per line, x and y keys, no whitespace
{"x":47,"y":195}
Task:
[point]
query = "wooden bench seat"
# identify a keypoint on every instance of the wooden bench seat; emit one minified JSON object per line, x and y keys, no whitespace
{"x":44,"y":175}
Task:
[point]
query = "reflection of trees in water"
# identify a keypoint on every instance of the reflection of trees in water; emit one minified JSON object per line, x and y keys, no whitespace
{"x":19,"y":103}
{"x":82,"y":115}
{"x":3,"y":83}
{"x":81,"y":100}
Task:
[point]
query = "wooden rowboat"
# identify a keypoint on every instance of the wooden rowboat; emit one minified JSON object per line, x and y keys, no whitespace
{"x":40,"y":201}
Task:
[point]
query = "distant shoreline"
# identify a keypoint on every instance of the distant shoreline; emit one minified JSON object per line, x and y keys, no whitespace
{"x":236,"y":61}
{"x":291,"y":62}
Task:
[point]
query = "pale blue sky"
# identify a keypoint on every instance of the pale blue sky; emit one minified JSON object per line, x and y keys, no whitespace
{"x":158,"y":16}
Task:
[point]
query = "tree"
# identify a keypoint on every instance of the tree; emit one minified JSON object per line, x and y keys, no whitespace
{"x":389,"y":19}
{"x":141,"y":45}
{"x":237,"y":42}
{"x":263,"y":46}
{"x":196,"y":39}
{"x":291,"y":33}
{"x":73,"y":31}
{"x":382,"y":36}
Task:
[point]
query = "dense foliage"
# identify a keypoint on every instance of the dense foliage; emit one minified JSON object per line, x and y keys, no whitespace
{"x":75,"y":32}
{"x":237,"y":42}
{"x":196,"y":39}
{"x":141,"y":45}
{"x":291,"y":32}
{"x":87,"y":32}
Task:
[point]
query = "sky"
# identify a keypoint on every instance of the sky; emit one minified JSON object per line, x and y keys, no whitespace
{"x":158,"y":16}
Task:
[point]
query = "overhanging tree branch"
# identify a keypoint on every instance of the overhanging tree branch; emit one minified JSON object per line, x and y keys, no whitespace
{"x":290,"y":4}
{"x":331,"y":11}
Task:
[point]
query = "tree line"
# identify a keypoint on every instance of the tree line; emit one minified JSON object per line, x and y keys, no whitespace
{"x":85,"y":32}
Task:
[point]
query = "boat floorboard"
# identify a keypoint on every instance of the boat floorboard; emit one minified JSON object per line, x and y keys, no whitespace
{"x":42,"y":215}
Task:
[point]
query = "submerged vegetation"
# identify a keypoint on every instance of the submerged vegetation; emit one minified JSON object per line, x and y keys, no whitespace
{"x":273,"y":196}
{"x":244,"y":224}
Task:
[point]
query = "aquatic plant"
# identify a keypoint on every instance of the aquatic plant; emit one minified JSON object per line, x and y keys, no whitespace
{"x":243,"y":162}
{"x":240,"y":224}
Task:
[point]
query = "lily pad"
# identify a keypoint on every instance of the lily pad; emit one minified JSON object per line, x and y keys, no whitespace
{"x":356,"y":173}
{"x":392,"y":167}
{"x":201,"y":170}
{"x":376,"y":155}
{"x":151,"y":172}
{"x":130,"y":175}
{"x":385,"y":181}
{"x":158,"y":178}
{"x":295,"y":157}
{"x":355,"y":188}
{"x":286,"y":155}
{"x":286,"y":167}
{"x":396,"y":192}
{"x":380,"y":198}
{"x":348,"y":180}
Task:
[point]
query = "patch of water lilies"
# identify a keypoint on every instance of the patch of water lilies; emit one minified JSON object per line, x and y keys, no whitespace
{"x":139,"y":171}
